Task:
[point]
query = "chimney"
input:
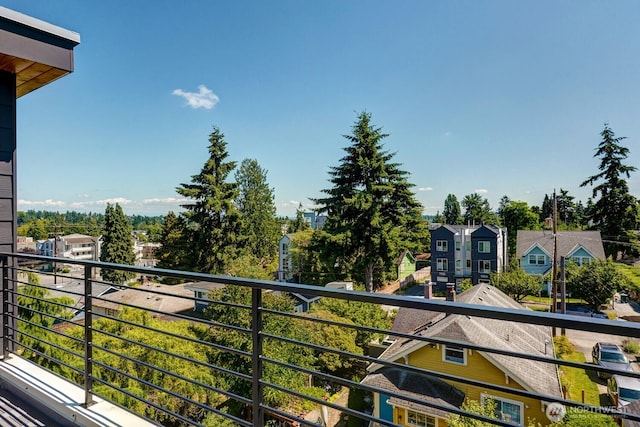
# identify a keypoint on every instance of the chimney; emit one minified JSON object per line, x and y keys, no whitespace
{"x":428,"y":290}
{"x":451,"y":292}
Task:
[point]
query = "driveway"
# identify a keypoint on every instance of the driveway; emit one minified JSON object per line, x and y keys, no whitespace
{"x":584,"y":341}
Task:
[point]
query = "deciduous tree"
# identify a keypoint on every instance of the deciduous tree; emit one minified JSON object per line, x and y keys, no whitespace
{"x":595,"y":282}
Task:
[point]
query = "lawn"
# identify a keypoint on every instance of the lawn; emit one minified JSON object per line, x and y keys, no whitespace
{"x":576,"y":380}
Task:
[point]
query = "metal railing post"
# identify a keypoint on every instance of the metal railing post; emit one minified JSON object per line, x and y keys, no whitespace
{"x":256,"y":362}
{"x":88,"y":338}
{"x":5,"y":306}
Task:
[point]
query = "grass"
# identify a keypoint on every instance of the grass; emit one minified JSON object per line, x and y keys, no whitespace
{"x":547,"y":300}
{"x":575,"y":380}
{"x":631,"y":346}
{"x":631,"y":273}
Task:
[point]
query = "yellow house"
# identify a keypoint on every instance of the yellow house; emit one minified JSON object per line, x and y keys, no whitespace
{"x":501,"y":370}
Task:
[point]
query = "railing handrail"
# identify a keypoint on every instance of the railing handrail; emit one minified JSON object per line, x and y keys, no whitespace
{"x":258,"y":335}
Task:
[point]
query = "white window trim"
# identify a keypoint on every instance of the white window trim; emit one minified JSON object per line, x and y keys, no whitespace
{"x":439,"y":262}
{"x":481,"y":244}
{"x":520,"y":405}
{"x":435,"y":419}
{"x":464,"y":355}
{"x":442,"y":246}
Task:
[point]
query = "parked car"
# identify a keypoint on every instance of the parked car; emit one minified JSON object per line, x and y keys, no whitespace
{"x":623,"y":390}
{"x":610,"y":356}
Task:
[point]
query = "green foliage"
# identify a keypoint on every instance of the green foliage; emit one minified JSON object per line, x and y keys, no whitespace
{"x":298,"y":224}
{"x":595,"y":282}
{"x":372,"y":213}
{"x":359,"y":313}
{"x":631,"y":346}
{"x":478,"y":211}
{"x":465,"y":285}
{"x":306,"y":264}
{"x":260,"y":230}
{"x":251,"y":267}
{"x":239,"y":315}
{"x":563,"y":347}
{"x":486,"y":408}
{"x":615,"y":211}
{"x":211,"y":219}
{"x":576,"y":380}
{"x":580,"y":418}
{"x":517,"y":216}
{"x":516,"y":283}
{"x":452,"y":213}
{"x":173,"y":252}
{"x":117,"y":245}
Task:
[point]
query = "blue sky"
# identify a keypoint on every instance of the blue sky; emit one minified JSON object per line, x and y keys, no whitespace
{"x":495,"y":97}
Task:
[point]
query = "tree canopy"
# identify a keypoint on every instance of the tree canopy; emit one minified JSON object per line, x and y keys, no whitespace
{"x":452,"y":213}
{"x":615,"y":209}
{"x":478,"y":211}
{"x":117,"y":244}
{"x":211,"y":219}
{"x":372,"y":213}
{"x":595,"y":282}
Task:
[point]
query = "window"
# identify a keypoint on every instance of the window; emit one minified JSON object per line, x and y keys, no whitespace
{"x":458,"y":265}
{"x":581,"y":260}
{"x":454,"y":355}
{"x":537,"y":259}
{"x":441,"y":245}
{"x":484,"y":266}
{"x":442,"y":264}
{"x":285,"y":249}
{"x":468,"y":264}
{"x":484,"y":247}
{"x":419,"y":419}
{"x":506,"y":409}
{"x":467,"y":245}
{"x":458,"y":245}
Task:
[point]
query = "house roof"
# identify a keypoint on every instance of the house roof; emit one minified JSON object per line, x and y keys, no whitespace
{"x":404,"y":254}
{"x":524,"y":338}
{"x":568,"y":242}
{"x":144,"y":297}
{"x":418,"y":386}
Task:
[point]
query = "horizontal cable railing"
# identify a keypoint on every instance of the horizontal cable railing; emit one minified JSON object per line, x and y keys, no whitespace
{"x":242,"y":355}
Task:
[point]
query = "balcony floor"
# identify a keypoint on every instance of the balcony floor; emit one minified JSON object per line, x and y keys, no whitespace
{"x":16,"y":410}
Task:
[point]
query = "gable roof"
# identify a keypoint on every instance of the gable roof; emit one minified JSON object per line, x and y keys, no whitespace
{"x":568,"y":241}
{"x":418,"y":386}
{"x":524,"y":338}
{"x":405,"y":253}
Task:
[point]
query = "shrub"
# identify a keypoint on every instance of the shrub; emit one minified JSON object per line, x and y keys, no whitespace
{"x":563,"y":346}
{"x":631,"y":346}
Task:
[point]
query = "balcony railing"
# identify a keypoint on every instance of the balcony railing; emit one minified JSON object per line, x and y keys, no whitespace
{"x":171,"y":366}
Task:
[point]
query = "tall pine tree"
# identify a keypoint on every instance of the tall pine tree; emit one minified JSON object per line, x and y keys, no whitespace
{"x":117,"y":244}
{"x":614,"y":211}
{"x":372,"y":213}
{"x":452,"y":213}
{"x":212,"y":221}
{"x":260,"y":229}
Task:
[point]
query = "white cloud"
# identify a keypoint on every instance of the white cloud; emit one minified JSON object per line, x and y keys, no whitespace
{"x":481,"y":191}
{"x":82,"y":196}
{"x":165,"y":201}
{"x":41,"y":204}
{"x":204,"y":98}
{"x":425,"y":189}
{"x":293,"y":203}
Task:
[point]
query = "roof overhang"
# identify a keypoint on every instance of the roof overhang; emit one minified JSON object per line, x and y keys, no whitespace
{"x":35,"y":51}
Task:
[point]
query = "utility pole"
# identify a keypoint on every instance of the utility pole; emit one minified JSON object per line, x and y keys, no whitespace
{"x":563,"y":291}
{"x":554,"y":271}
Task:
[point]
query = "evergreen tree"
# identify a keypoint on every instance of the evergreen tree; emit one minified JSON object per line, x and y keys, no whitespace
{"x":478,"y":211}
{"x":452,"y":211}
{"x":212,"y":221}
{"x":547,"y":208}
{"x":173,"y":253}
{"x":298,"y":224}
{"x":117,"y":244}
{"x":614,"y":212}
{"x":372,"y":213}
{"x":260,"y":230}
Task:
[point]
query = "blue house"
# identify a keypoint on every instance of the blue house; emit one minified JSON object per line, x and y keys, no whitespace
{"x":461,"y":252}
{"x":535,"y":249}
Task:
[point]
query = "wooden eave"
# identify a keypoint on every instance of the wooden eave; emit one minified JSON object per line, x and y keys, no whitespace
{"x":35,"y":51}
